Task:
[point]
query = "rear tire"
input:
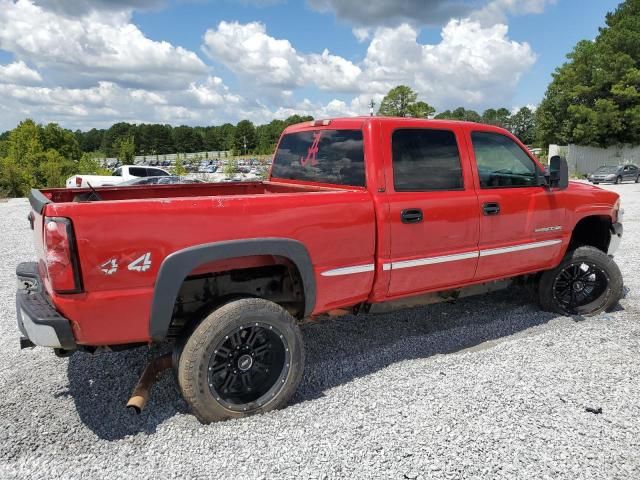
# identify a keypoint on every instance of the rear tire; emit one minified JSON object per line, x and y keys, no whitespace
{"x":587,"y":282}
{"x":638,"y":179}
{"x":246,"y":357}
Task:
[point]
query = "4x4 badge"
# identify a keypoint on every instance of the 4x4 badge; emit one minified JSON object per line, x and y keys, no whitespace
{"x":109,"y":267}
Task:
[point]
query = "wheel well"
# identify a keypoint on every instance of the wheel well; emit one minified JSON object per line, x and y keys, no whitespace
{"x":202,"y":293}
{"x":593,"y":231}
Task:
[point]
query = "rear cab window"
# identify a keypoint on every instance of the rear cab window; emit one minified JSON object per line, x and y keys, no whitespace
{"x":425,"y":160}
{"x":322,"y":156}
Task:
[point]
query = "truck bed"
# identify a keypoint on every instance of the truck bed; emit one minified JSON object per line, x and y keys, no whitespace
{"x":136,"y":192}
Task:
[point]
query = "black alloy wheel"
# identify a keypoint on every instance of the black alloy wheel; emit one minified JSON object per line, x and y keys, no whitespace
{"x":586,"y":282}
{"x":248,"y":366}
{"x":579,"y":284}
{"x":245,"y":357}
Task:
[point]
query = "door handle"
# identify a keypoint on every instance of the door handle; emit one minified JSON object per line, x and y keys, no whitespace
{"x":491,"y":208}
{"x":411,"y":215}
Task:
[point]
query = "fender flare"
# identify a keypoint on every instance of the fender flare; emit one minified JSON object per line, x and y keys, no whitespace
{"x":176,"y":267}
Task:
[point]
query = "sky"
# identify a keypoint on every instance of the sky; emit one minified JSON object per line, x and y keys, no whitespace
{"x":92,"y":63}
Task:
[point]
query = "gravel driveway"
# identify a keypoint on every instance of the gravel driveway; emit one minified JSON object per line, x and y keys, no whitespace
{"x":488,"y":387}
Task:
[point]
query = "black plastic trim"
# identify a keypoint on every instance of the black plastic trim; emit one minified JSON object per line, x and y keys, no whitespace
{"x":36,"y":304}
{"x":178,"y":265}
{"x":38,"y":200}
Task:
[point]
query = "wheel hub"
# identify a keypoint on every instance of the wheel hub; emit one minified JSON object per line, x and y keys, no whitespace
{"x":578,"y":286}
{"x":245,"y":362}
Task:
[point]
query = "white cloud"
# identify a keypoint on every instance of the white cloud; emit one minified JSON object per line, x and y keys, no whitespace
{"x":385,"y":12}
{"x":102,"y":46}
{"x":81,"y":7}
{"x":18,"y":72}
{"x":259,"y":59}
{"x":374,"y":13}
{"x":362,"y":34}
{"x":496,"y":11}
{"x":472,"y":64}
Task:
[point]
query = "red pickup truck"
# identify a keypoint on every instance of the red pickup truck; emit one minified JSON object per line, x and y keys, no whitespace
{"x":358,"y":215}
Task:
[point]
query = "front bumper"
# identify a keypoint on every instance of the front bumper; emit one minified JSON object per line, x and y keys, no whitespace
{"x":616,"y":238}
{"x":37,"y":319}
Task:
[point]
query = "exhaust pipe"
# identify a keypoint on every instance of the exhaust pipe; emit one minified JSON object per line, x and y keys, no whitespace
{"x":140,"y":394}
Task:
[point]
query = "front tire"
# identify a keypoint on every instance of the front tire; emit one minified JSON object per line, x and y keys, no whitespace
{"x":618,"y":180}
{"x":587,"y":282}
{"x":638,"y":179}
{"x":246,"y":357}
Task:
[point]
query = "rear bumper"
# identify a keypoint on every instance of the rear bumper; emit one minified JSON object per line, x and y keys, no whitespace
{"x":37,"y":319}
{"x":616,"y":238}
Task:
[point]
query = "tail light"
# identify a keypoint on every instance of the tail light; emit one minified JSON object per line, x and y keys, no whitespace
{"x":78,"y":181}
{"x":61,"y":256}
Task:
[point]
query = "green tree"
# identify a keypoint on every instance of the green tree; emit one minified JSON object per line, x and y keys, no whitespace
{"x":230,"y":167}
{"x":244,"y":137}
{"x":523,"y":125}
{"x":178,"y":167}
{"x":594,"y":98}
{"x":126,"y":150}
{"x":398,"y":101}
{"x":421,"y":110}
{"x":53,"y":137}
{"x":54,"y":169}
{"x":499,"y":117}
{"x":460,"y":113}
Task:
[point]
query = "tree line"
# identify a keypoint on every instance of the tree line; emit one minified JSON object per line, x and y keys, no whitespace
{"x":402,"y":101}
{"x":123,"y":139}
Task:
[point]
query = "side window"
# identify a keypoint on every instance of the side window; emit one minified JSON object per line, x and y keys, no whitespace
{"x":137,"y":172}
{"x":501,"y":162}
{"x":118,"y":172}
{"x":156,"y":172}
{"x":425,"y":160}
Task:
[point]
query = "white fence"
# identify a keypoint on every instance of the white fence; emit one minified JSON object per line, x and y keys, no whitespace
{"x":584,"y":160}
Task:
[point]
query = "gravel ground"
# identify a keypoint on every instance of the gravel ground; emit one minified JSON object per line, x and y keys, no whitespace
{"x":489,"y":387}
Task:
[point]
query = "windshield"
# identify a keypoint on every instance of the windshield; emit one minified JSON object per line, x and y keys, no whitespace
{"x":323,"y":156}
{"x":607,"y":169}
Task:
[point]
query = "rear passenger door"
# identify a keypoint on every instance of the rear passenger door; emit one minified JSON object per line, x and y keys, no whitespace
{"x":433,"y":209}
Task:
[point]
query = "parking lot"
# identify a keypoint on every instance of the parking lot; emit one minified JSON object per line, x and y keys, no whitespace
{"x":488,"y":387}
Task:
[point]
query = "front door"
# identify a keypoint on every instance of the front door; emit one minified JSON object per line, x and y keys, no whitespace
{"x":521,"y":222}
{"x":433,"y":210}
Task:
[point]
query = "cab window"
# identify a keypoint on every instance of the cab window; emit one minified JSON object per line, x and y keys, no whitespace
{"x":501,"y":162}
{"x":425,"y":160}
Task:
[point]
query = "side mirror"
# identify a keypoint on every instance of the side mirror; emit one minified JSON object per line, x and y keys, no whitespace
{"x":558,"y":173}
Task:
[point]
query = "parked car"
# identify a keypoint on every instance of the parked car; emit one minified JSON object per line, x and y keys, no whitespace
{"x":615,"y":174}
{"x":120,"y":175}
{"x":226,"y":272}
{"x":162,"y":180}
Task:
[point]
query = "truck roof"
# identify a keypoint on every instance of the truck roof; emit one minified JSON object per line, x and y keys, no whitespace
{"x":360,"y":121}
